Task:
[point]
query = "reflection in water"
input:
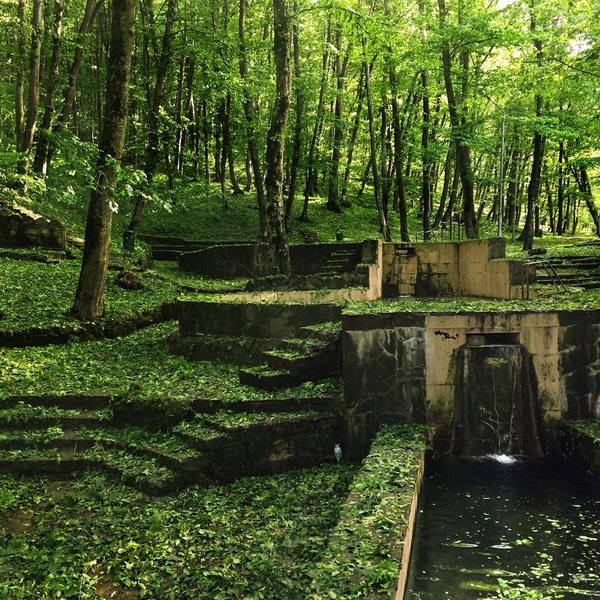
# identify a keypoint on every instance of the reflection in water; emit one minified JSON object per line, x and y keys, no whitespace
{"x":530,"y":521}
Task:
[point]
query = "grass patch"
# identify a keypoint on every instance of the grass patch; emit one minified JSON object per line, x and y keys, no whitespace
{"x":257,"y":538}
{"x":40,"y":295}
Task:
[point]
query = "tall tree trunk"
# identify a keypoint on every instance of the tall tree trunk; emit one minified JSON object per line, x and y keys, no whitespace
{"x":445,"y":187}
{"x":383,"y":225}
{"x":585,"y":189}
{"x":426,"y":168}
{"x":89,"y":298}
{"x":249,"y":113}
{"x":533,"y":189}
{"x":352,"y":141}
{"x":560,"y":192}
{"x":458,"y":127}
{"x":40,"y":163}
{"x":278,"y":244}
{"x":310,"y":165}
{"x":158,"y":93}
{"x":33,"y":95}
{"x":297,"y":148}
{"x":341,"y":65}
{"x":20,"y":76}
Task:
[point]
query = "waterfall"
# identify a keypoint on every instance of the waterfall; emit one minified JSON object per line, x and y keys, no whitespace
{"x":495,"y":402}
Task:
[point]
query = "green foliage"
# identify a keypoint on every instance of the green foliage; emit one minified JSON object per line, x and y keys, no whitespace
{"x":138,"y":367}
{"x":40,"y":295}
{"x":363,"y":556}
{"x":259,"y":537}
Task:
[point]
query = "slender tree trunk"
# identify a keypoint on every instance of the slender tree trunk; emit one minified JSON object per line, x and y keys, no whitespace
{"x":352,"y":141}
{"x":297,"y":148}
{"x":89,"y":298}
{"x":278,"y":244}
{"x":40,"y":162}
{"x":152,"y":148}
{"x":585,"y":189}
{"x":20,"y":76}
{"x":249,"y":112}
{"x":445,"y":187}
{"x":310,"y":165}
{"x":341,"y":65}
{"x":560,"y":193}
{"x":458,"y":126}
{"x":383,"y":225}
{"x":426,"y":173}
{"x":533,"y":189}
{"x":33,"y":96}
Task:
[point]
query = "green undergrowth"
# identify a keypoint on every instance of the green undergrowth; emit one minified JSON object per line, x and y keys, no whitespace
{"x":364,"y":553}
{"x":556,"y":246}
{"x":170,"y":271}
{"x":231,"y":420}
{"x":137,"y":367}
{"x":581,"y":300}
{"x":260,"y":537}
{"x":590,"y":428}
{"x":40,"y":295}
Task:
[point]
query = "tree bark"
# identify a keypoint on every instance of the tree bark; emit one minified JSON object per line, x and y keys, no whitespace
{"x":40,"y":163}
{"x":33,"y":95}
{"x":310,"y":167}
{"x":297,"y":148}
{"x":89,"y":298}
{"x":249,"y":113}
{"x":278,"y":245}
{"x":533,"y":189}
{"x":20,"y":76}
{"x":383,"y":225}
{"x":458,"y":127}
{"x":341,"y":65}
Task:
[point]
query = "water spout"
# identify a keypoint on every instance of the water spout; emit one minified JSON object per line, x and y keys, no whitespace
{"x":496,"y":408}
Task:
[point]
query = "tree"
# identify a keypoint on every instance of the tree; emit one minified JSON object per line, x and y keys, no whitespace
{"x":89,"y":298}
{"x":279,"y":251}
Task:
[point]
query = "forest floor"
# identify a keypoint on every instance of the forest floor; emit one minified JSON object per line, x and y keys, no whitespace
{"x":261,"y":537}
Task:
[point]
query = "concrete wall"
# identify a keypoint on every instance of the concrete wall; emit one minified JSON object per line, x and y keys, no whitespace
{"x":445,"y":334}
{"x":251,"y":260}
{"x":579,"y":346}
{"x":401,"y":366}
{"x":472,"y":268}
{"x":384,"y":372}
{"x":251,"y":320}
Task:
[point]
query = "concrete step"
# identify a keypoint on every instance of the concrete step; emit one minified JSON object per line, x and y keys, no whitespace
{"x":269,"y":379}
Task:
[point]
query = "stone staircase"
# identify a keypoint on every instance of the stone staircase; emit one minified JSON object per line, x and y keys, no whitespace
{"x":64,"y":435}
{"x":170,"y":248}
{"x":344,"y":260}
{"x":570,"y":271}
{"x":312,"y":356}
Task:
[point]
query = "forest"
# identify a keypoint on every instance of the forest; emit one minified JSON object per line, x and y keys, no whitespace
{"x":299,"y":299}
{"x":473,"y":114}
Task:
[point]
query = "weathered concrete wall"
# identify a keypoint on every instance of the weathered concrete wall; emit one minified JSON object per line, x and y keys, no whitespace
{"x":384,"y":372}
{"x":21,"y":227}
{"x":445,"y":334}
{"x":251,"y":320}
{"x":227,"y":262}
{"x":579,"y":346}
{"x":251,"y":260}
{"x":472,"y":268}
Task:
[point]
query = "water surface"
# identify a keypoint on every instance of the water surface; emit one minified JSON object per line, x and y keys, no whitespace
{"x":532,"y":522}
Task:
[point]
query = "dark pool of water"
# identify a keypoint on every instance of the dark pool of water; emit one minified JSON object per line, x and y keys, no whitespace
{"x":535,"y":523}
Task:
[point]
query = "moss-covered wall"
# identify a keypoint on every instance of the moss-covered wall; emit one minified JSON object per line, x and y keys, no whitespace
{"x":579,"y":346}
